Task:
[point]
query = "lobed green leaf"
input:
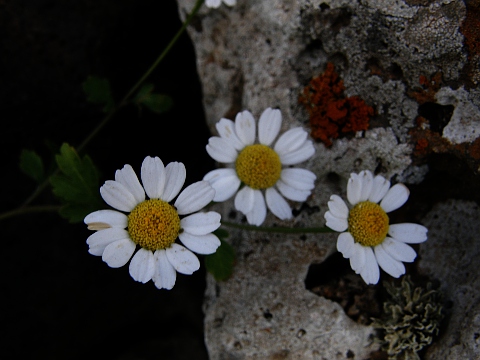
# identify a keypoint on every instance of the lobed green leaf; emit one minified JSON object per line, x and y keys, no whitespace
{"x":220,"y":264}
{"x":76,"y":185}
{"x":98,"y":91}
{"x":32,"y":165}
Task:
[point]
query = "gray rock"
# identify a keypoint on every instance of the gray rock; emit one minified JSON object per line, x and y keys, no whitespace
{"x":451,"y":257}
{"x":262,"y":53}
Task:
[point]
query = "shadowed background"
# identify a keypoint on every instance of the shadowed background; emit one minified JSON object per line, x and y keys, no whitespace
{"x":60,"y":302}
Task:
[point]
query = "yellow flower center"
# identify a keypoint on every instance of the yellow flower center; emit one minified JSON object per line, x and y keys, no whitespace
{"x":368,"y":223}
{"x":154,"y":224}
{"x":258,"y":166}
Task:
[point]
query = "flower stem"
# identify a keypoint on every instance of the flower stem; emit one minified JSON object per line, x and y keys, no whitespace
{"x":135,"y":87}
{"x":24,"y":208}
{"x":29,"y":210}
{"x":284,"y":230}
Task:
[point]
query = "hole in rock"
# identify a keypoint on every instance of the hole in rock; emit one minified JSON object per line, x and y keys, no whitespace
{"x":334,"y":279}
{"x":437,"y":115}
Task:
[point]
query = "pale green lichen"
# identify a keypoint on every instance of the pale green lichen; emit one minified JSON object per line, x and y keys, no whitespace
{"x":410,"y":321}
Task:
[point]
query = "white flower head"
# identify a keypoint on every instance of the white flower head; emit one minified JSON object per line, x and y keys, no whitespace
{"x":216,"y":3}
{"x":367,"y":238}
{"x":154,"y":224}
{"x":260,"y":162}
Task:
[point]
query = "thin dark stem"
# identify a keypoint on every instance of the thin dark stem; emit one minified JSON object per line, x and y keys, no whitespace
{"x":23,"y":209}
{"x":284,"y":230}
{"x":164,"y":53}
{"x":29,"y":210}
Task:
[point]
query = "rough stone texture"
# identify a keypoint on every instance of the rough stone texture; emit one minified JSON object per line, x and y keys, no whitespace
{"x":452,"y":258}
{"x":408,"y":61}
{"x":265,"y":312}
{"x":464,"y":125}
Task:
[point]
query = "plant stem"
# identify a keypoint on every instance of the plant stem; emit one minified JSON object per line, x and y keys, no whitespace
{"x":283,"y":230}
{"x":135,"y":87}
{"x":24,"y":208}
{"x":164,"y":53}
{"x":29,"y":210}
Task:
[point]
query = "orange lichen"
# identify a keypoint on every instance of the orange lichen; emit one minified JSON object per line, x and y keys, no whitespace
{"x":429,"y":88}
{"x":429,"y":142}
{"x":470,"y":28}
{"x":421,"y":145}
{"x":330,"y":112}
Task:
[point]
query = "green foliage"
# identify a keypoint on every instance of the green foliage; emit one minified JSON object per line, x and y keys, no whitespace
{"x":98,"y":91}
{"x":156,"y":102}
{"x":32,"y":165}
{"x":220,"y":264}
{"x":411,"y":319}
{"x":76,"y":184}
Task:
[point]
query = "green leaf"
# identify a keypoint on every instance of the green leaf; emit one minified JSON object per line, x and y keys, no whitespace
{"x":76,"y":185}
{"x":143,"y":93}
{"x":156,"y":102}
{"x":98,"y":91}
{"x":32,"y":165}
{"x":220,"y":264}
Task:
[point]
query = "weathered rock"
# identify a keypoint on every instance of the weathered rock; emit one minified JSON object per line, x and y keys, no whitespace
{"x":451,"y":257}
{"x":405,"y":59}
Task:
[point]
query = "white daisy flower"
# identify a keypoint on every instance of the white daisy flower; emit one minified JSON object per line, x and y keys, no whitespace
{"x":216,"y":3}
{"x":367,"y":238}
{"x":259,"y":165}
{"x":154,"y":224}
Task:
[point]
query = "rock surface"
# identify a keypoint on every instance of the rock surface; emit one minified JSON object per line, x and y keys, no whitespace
{"x":412,"y":62}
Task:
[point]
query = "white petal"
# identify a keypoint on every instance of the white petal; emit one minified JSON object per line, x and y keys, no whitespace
{"x":175,"y":175}
{"x":391,"y":266}
{"x":408,"y":233}
{"x":201,"y":223}
{"x":335,"y":223}
{"x":395,"y":198}
{"x":99,"y":240}
{"x":194,"y":197}
{"x":367,"y":184}
{"x":225,"y":182}
{"x":357,"y":260}
{"x":142,"y":266}
{"x":153,"y":177}
{"x":299,"y":155}
{"x":292,"y":193}
{"x":345,"y":245}
{"x":220,"y":150}
{"x":301,"y":179}
{"x":129,"y":179}
{"x":370,"y":272}
{"x":244,"y":200}
{"x":226,"y":129}
{"x":337,"y":207}
{"x":269,"y":126}
{"x":354,"y":188}
{"x":245,"y":127}
{"x":290,"y":141}
{"x":257,"y":215}
{"x":213,"y":3}
{"x":201,"y":244}
{"x":398,"y":250}
{"x":117,"y":196}
{"x":230,"y":2}
{"x":182,"y":260}
{"x":277,"y":204}
{"x":118,"y":253}
{"x":165,"y":275}
{"x":110,"y":218}
{"x":380,"y":188}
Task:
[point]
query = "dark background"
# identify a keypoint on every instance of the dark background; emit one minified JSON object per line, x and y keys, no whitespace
{"x":60,"y":302}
